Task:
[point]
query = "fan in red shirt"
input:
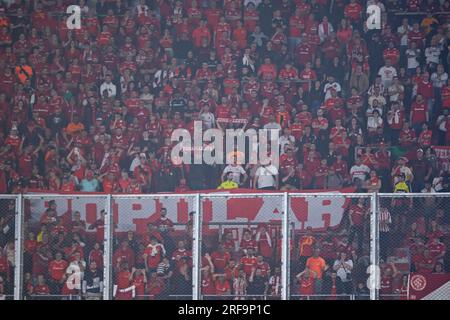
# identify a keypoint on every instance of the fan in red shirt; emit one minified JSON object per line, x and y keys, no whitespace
{"x":220,"y":259}
{"x":264,"y":241}
{"x":57,"y":271}
{"x":201,"y":32}
{"x":267,"y":69}
{"x":99,"y":225}
{"x":96,"y":255}
{"x":436,"y":248}
{"x":262,"y":266}
{"x":357,"y":215}
{"x":306,"y":280}
{"x":419,"y":112}
{"x":425,"y":137}
{"x":123,"y":288}
{"x":304,"y":52}
{"x":41,"y":289}
{"x":222,"y":286}
{"x":181,"y":255}
{"x":353,"y":11}
{"x":247,"y":241}
{"x":207,"y":283}
{"x":426,"y":263}
{"x":124,"y":253}
{"x":153,"y":254}
{"x":391,"y":53}
{"x":388,"y":275}
{"x":139,"y":281}
{"x":248,"y":262}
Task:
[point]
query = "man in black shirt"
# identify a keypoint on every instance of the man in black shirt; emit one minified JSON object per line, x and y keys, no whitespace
{"x":93,"y":282}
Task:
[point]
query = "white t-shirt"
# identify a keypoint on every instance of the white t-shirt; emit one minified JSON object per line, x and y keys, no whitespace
{"x":432,"y":54}
{"x":387,"y":75}
{"x":359,"y":172}
{"x":403,"y":32}
{"x":341,"y":271}
{"x":266,"y":176}
{"x":284,"y":141}
{"x":412,"y":55}
{"x":327,"y":89}
{"x":236,"y":170}
{"x":439,"y":80}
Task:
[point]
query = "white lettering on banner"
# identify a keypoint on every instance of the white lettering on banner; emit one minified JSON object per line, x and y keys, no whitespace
{"x":134,"y":214}
{"x":442,"y":152}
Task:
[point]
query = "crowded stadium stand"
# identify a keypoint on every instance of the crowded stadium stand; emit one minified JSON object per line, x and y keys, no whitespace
{"x":90,"y":112}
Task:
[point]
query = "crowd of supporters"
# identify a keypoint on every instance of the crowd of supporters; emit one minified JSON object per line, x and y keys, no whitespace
{"x":93,"y":109}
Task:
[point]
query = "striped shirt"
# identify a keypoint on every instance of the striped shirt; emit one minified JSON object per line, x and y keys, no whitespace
{"x":384,"y":219}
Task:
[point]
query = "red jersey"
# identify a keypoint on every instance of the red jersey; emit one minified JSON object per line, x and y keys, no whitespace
{"x":418,"y":112}
{"x":248,"y":263}
{"x":357,"y":213}
{"x":57,"y":269}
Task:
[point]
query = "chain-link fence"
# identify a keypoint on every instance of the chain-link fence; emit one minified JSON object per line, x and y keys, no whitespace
{"x":63,"y":239}
{"x":330,"y":246}
{"x":413,"y":242}
{"x":330,"y":239}
{"x":241,"y":246}
{"x":152,"y":247}
{"x":8,"y":206}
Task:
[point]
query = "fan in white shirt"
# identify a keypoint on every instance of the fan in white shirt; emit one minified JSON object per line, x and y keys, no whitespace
{"x":237,"y":171}
{"x":266,"y":177}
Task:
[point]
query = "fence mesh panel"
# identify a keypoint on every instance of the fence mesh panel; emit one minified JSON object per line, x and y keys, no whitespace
{"x":241,"y":247}
{"x":7,"y":246}
{"x":241,"y":243}
{"x":152,"y":247}
{"x":63,"y":238}
{"x":330,"y":246}
{"x":413,"y":237}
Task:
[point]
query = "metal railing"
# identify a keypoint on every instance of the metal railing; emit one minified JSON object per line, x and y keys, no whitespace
{"x":29,"y":209}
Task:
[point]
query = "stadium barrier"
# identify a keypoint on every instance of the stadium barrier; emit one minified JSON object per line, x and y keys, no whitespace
{"x":324,"y":221}
{"x":9,"y":214}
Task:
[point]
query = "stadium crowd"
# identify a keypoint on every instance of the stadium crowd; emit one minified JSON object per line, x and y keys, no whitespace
{"x":93,"y":109}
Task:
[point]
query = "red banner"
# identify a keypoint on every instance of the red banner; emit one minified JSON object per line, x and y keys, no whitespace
{"x":429,"y":286}
{"x":134,"y":212}
{"x":442,"y":152}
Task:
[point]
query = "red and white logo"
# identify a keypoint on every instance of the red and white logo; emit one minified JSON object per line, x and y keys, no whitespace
{"x":418,"y":282}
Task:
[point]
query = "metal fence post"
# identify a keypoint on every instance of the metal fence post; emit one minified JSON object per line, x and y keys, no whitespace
{"x":108,"y":247}
{"x":18,"y":246}
{"x":196,"y":249}
{"x":374,"y":247}
{"x":285,"y":249}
